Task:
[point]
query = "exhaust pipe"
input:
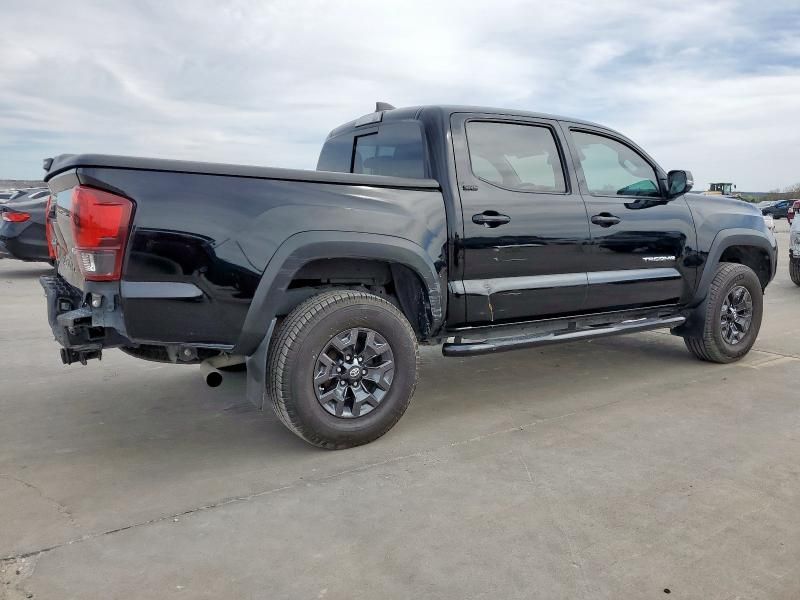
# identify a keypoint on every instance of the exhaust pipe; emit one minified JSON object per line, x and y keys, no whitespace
{"x":211,"y":375}
{"x":209,"y":368}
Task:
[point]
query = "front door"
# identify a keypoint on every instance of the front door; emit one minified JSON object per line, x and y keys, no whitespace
{"x":641,"y":242}
{"x":526,"y":233}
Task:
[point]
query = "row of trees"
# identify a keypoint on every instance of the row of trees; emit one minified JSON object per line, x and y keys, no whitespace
{"x":793,"y":191}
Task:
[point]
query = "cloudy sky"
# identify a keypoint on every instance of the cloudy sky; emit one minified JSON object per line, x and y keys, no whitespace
{"x":709,"y":86}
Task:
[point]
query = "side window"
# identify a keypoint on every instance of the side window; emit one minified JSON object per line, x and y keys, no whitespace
{"x":336,"y":154}
{"x":396,"y":150}
{"x":614,"y":169}
{"x":519,"y":157}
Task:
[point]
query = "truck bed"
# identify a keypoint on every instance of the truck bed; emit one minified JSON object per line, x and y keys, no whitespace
{"x":203,"y":234}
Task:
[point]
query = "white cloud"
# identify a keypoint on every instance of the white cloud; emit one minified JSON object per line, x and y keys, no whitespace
{"x":709,"y":86}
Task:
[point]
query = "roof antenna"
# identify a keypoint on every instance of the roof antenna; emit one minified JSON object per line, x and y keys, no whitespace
{"x":379,"y":106}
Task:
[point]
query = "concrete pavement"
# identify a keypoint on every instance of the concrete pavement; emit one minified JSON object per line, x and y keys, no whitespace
{"x":620,"y":468}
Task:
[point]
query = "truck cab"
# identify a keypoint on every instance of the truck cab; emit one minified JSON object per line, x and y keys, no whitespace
{"x":548,"y":217}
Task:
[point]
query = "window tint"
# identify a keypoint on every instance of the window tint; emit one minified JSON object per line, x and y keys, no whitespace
{"x":520,"y":157}
{"x":336,"y":154}
{"x":614,"y":169}
{"x":396,"y":150}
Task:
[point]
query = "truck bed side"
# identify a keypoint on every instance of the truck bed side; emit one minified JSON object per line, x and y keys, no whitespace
{"x":203,"y":235}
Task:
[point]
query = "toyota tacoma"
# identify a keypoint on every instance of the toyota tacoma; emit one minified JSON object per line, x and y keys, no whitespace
{"x":480,"y":229}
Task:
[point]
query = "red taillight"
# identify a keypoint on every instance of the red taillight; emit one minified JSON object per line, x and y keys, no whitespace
{"x":100,"y":224}
{"x":48,"y":228}
{"x":16,"y":217}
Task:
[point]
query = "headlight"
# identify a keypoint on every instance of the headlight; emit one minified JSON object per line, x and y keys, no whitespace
{"x":769,"y":222}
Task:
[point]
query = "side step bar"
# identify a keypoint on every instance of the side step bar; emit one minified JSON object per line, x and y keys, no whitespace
{"x":473,"y":348}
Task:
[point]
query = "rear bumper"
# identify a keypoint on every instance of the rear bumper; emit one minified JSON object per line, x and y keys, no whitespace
{"x":79,"y":327}
{"x":23,"y":243}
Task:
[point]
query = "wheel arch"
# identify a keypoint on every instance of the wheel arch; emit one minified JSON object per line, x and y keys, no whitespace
{"x":742,"y":246}
{"x":408,"y":261}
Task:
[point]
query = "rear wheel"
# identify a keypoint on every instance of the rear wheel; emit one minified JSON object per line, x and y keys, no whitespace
{"x":342,"y":369}
{"x":731,"y":315}
{"x":794,"y":270}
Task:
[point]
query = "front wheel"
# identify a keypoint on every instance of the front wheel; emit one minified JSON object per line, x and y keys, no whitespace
{"x":342,"y":369}
{"x":731,"y":315}
{"x":794,"y":270}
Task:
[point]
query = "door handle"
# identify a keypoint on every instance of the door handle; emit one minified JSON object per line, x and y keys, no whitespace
{"x":490,"y":218}
{"x":605,"y":219}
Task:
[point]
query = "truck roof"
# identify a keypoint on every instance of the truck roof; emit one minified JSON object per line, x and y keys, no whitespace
{"x":445,"y":110}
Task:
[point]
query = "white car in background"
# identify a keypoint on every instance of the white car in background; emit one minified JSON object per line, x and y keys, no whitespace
{"x":794,"y":251}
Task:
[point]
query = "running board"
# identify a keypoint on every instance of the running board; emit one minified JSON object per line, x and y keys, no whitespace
{"x":473,"y":348}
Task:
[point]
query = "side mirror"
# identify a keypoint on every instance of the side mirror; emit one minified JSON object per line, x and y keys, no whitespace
{"x":679,"y":182}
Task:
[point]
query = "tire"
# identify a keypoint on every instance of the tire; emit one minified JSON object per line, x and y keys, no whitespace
{"x":295,"y":365}
{"x":711,"y":344}
{"x":794,"y":270}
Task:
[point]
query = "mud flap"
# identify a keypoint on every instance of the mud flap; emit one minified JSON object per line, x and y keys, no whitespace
{"x":695,"y":320}
{"x":257,"y":369}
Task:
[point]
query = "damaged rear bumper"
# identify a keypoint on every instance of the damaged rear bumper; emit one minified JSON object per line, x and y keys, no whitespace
{"x":80,"y":321}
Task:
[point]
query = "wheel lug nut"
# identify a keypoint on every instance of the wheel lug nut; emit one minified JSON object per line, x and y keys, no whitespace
{"x":342,"y":383}
{"x":363,"y":371}
{"x":348,"y":358}
{"x":360,"y":359}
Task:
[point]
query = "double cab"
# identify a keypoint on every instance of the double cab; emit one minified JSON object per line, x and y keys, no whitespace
{"x":480,"y":229}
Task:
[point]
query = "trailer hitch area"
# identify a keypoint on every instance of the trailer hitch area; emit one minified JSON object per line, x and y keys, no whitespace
{"x":70,"y":356}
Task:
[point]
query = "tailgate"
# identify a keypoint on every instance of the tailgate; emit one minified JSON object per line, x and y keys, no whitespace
{"x":62,"y":237}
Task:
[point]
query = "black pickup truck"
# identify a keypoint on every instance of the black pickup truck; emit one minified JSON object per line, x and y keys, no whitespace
{"x":485,"y":230}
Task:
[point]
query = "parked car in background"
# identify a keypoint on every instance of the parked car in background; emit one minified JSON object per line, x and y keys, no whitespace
{"x":486,"y":230}
{"x":11,"y":196}
{"x":33,"y":194}
{"x":22,"y":229}
{"x":794,"y":251}
{"x":779,"y":210}
{"x":765,"y":204}
{"x":794,"y":208}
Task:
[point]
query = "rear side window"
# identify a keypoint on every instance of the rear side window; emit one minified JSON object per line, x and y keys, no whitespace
{"x":336,"y":154}
{"x":614,"y":169}
{"x":515,"y":156}
{"x":396,"y":149}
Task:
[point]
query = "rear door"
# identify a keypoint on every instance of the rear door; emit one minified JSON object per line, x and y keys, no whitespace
{"x":640,"y":240}
{"x":526,"y":234}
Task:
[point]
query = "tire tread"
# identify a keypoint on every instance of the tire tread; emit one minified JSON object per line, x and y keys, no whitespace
{"x":794,"y":270}
{"x":286,"y":341}
{"x":704,"y":346}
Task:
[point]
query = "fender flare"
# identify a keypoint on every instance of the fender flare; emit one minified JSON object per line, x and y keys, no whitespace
{"x":724,"y":240}
{"x":298,"y":250}
{"x":302,"y":248}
